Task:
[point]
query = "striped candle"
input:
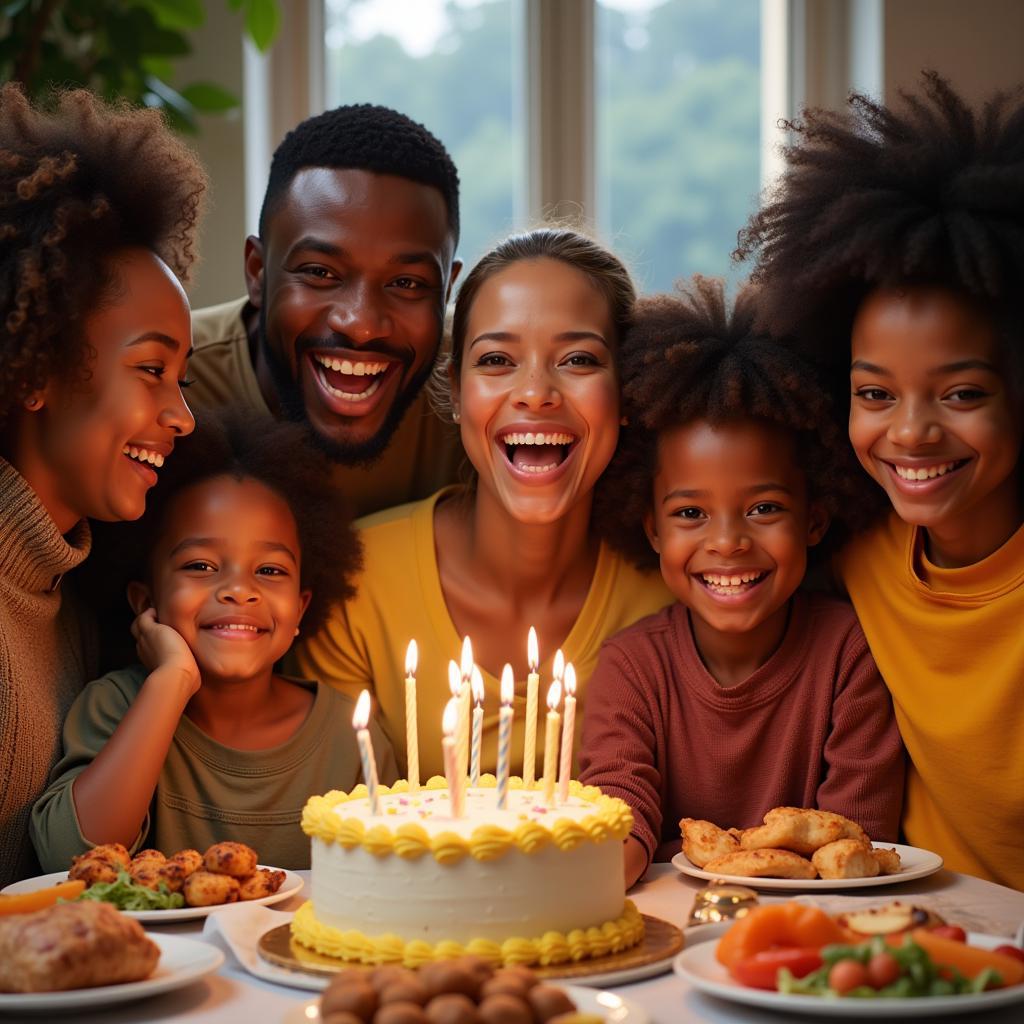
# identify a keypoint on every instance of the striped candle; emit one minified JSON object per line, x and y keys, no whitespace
{"x":360,"y":721}
{"x":477,"y":683}
{"x":508,"y":687}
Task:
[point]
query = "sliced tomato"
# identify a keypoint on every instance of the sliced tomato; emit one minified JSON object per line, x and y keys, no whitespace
{"x":762,"y":969}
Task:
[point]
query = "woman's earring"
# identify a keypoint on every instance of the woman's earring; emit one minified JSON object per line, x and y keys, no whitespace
{"x":33,"y":403}
{"x":455,"y":416}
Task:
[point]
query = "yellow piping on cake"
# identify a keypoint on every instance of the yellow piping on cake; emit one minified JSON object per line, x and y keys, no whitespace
{"x":551,"y":948}
{"x":612,"y":819}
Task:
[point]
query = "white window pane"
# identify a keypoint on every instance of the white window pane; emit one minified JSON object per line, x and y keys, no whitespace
{"x":678,"y":109}
{"x":453,"y":65}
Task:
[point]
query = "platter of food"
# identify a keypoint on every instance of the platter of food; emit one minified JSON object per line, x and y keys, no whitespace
{"x":156,"y":889}
{"x":77,"y":956}
{"x":914,"y":863}
{"x":798,"y":849}
{"x":918,"y":972}
{"x":461,"y":989}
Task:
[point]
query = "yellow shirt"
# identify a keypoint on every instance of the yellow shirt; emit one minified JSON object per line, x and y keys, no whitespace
{"x":399,"y":598}
{"x":424,"y":454}
{"x":950,"y":646}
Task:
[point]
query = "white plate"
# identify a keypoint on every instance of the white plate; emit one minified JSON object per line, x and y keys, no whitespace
{"x":182,"y":961}
{"x":292,"y":884}
{"x":698,"y":966}
{"x":607,"y":1005}
{"x":915,"y":863}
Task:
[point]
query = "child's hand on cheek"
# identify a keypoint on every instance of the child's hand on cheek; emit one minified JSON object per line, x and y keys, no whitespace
{"x":162,"y":648}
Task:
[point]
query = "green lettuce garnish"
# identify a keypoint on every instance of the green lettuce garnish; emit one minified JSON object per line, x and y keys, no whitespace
{"x":126,"y":895}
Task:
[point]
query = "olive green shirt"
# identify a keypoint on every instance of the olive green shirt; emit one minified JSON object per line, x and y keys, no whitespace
{"x":208,"y":792}
{"x":424,"y":455}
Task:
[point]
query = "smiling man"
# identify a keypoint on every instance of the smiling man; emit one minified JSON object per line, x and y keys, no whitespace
{"x":347,"y":285}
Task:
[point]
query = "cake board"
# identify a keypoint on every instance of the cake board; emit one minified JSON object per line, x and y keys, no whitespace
{"x":653,"y":955}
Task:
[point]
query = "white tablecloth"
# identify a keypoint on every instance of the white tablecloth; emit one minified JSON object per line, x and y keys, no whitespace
{"x":234,"y":997}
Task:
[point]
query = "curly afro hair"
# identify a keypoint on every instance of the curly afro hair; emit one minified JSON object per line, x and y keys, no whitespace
{"x":931,"y":194}
{"x":77,"y":184}
{"x":274,"y":453}
{"x":686,"y":358}
{"x":364,"y":137}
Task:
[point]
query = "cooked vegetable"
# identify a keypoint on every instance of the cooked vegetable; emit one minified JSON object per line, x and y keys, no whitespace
{"x":762,"y":969}
{"x":777,"y":924}
{"x":845,"y":972}
{"x":29,"y":902}
{"x":125,"y":895}
{"x":970,"y":961}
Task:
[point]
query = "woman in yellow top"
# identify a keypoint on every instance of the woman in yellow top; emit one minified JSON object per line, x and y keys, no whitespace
{"x":895,"y":247}
{"x":532,"y":381}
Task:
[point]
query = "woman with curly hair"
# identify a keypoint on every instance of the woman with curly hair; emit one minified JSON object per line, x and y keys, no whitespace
{"x":893,"y":250}
{"x":746,"y":694}
{"x":98,"y":213}
{"x":533,"y":384}
{"x":246,"y":542}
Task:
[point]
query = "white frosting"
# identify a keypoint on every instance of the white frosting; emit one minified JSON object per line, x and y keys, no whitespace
{"x":516,"y":895}
{"x":433,"y":810}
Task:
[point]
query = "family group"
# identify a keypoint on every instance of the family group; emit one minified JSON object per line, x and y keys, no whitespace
{"x":778,"y":538}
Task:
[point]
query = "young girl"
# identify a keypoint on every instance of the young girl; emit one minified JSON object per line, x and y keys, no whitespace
{"x":911,"y":292}
{"x":745,"y":694}
{"x":534,"y":387}
{"x":98,"y":217}
{"x":247,"y":543}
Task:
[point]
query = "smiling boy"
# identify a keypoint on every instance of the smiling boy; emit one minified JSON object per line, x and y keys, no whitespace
{"x":347,"y":284}
{"x":745,"y":694}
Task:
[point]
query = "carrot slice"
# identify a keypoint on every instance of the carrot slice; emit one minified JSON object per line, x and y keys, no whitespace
{"x":777,"y":924}
{"x":970,"y":961}
{"x":28,"y":902}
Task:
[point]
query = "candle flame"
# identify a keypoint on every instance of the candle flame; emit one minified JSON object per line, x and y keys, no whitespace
{"x":554,"y":695}
{"x":361,"y":715}
{"x":532,"y":652}
{"x":450,"y":719}
{"x":466,"y":663}
{"x":558,"y":666}
{"x":411,"y":658}
{"x":478,"y":686}
{"x":508,"y":685}
{"x":569,"y":679}
{"x":454,"y":678}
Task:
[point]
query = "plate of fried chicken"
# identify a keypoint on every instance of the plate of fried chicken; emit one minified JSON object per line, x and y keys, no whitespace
{"x":156,"y":888}
{"x":798,"y":848}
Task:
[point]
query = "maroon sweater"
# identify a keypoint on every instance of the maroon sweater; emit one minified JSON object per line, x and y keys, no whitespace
{"x":812,"y":727}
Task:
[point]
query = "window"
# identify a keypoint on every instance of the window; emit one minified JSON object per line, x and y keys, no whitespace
{"x":453,"y":65}
{"x":669,"y":95}
{"x":678,"y":132}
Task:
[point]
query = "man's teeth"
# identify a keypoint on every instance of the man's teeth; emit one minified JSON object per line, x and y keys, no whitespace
{"x":143,"y":455}
{"x":730,"y":581}
{"x":925,"y":472}
{"x":238,"y":626}
{"x":538,"y":439}
{"x":353,"y":369}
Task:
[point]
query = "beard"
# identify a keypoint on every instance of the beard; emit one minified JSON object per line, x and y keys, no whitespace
{"x":293,"y":405}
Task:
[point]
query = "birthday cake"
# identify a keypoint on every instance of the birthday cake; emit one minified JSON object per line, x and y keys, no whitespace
{"x":530,"y":884}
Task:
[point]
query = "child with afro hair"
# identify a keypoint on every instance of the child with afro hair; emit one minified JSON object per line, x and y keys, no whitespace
{"x":245,"y":543}
{"x":893,"y":251}
{"x":745,"y":694}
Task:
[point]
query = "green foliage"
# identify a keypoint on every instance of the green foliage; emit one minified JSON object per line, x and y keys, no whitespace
{"x":121,"y":48}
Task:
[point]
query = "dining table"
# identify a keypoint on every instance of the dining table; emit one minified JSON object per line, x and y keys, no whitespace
{"x":233,"y":996}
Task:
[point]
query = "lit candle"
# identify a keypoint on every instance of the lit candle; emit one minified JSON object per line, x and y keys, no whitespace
{"x":412,"y":745}
{"x":551,"y":742}
{"x":465,"y":672}
{"x":568,"y":727}
{"x":558,"y":665}
{"x":455,"y":685}
{"x":508,"y":688}
{"x":449,"y":723}
{"x":532,"y":688}
{"x":477,"y":682}
{"x":360,"y":721}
